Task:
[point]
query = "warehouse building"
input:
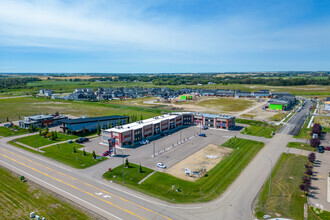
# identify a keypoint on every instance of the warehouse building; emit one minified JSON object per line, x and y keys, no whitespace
{"x":129,"y":134}
{"x":282,"y":103}
{"x":90,"y":124}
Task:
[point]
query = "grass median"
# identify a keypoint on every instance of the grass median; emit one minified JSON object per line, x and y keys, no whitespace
{"x":208,"y":187}
{"x":20,"y":198}
{"x":286,"y":199}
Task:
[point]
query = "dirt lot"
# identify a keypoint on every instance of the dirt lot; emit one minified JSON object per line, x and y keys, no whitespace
{"x":199,"y":160}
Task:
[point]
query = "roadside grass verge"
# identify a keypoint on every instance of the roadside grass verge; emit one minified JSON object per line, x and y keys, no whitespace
{"x":208,"y":187}
{"x":258,"y":128}
{"x":39,"y":141}
{"x":317,"y":214}
{"x":5,"y":132}
{"x":131,"y":174}
{"x":278,"y":116}
{"x":286,"y":199}
{"x":63,"y":153}
{"x":20,"y":198}
{"x":302,"y":146}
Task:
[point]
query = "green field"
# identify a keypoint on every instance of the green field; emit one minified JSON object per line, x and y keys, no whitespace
{"x":302,"y":146}
{"x":19,"y":199}
{"x":211,"y":185}
{"x":286,"y":199}
{"x":131,"y":174}
{"x":5,"y":132}
{"x":64,"y":153}
{"x":20,"y":107}
{"x":257,"y":128}
{"x":278,"y":116}
{"x":39,"y":141}
{"x":317,"y":214}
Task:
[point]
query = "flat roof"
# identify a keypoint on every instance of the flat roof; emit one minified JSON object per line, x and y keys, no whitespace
{"x":94,"y":119}
{"x":141,"y":124}
{"x":37,"y":117}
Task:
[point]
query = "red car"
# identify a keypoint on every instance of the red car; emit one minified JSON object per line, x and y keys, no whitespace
{"x":106,"y":153}
{"x":327,"y":148}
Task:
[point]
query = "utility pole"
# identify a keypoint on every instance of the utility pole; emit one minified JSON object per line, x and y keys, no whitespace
{"x":37,"y":143}
{"x":180,"y":136}
{"x":123,"y":169}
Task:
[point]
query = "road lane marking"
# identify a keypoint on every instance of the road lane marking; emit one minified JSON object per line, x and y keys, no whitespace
{"x":72,"y":186}
{"x":60,"y":190}
{"x":88,"y":184}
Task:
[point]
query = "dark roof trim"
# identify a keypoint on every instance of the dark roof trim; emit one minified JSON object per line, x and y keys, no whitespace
{"x":94,"y":119}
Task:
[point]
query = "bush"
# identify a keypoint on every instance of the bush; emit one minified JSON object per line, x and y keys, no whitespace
{"x":315,"y":143}
{"x":309,"y":172}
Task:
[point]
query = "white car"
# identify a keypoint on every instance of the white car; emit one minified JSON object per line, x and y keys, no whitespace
{"x":143,"y":142}
{"x":147,"y":142}
{"x":161,"y":165}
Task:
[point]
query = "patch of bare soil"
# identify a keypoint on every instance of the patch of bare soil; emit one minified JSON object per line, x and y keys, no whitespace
{"x":205,"y":158}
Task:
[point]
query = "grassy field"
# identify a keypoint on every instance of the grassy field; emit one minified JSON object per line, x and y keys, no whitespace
{"x":19,"y":199}
{"x":251,"y":116}
{"x":286,"y":199}
{"x":257,"y":128}
{"x":227,"y":104}
{"x":5,"y":132}
{"x":322,"y":120}
{"x":19,"y":107}
{"x":131,"y":174}
{"x":302,"y":146}
{"x":206,"y":188}
{"x":64,"y":153}
{"x":39,"y":141}
{"x":317,"y":214}
{"x":278,"y":116}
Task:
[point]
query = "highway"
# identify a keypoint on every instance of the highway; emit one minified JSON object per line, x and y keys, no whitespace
{"x":111,"y":201}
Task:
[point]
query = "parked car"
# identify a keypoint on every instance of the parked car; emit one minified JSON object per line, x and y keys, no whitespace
{"x":204,"y":127}
{"x":143,"y":142}
{"x":69,"y":141}
{"x":327,"y":148}
{"x":320,"y":149}
{"x":147,"y":142}
{"x":106,"y":153}
{"x":161,"y":165}
{"x":202,"y":135}
{"x":82,"y":140}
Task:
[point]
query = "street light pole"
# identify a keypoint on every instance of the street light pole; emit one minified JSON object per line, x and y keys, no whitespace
{"x":37,"y":143}
{"x":153,"y":148}
{"x":123,"y":170}
{"x":270,"y":176}
{"x":180,"y":136}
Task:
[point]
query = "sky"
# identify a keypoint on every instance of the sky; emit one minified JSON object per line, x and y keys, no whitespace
{"x":164,"y":36}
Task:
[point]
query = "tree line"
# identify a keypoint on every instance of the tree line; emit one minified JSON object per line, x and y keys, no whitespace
{"x":16,"y":83}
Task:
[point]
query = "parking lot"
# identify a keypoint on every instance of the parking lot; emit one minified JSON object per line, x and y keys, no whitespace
{"x":170,"y":149}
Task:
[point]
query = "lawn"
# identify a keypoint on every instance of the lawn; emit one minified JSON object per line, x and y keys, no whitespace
{"x":5,"y":132}
{"x":317,"y":214}
{"x":227,"y":104}
{"x":20,"y":198}
{"x":131,"y":174}
{"x":302,"y":146}
{"x":19,"y":107}
{"x":209,"y":187}
{"x":39,"y":141}
{"x":64,"y":153}
{"x":257,"y":128}
{"x":286,"y":199}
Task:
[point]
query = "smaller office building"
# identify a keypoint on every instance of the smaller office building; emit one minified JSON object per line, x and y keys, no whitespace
{"x":282,"y":103}
{"x":41,"y":121}
{"x":90,"y":124}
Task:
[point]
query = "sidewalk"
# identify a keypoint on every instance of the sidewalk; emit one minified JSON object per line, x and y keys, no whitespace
{"x":32,"y":148}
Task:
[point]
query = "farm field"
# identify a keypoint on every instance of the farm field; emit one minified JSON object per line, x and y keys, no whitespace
{"x":207,"y":188}
{"x":64,"y":153}
{"x":39,"y":141}
{"x":286,"y":199}
{"x":19,"y":199}
{"x":20,"y":107}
